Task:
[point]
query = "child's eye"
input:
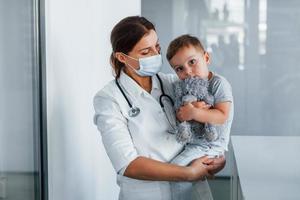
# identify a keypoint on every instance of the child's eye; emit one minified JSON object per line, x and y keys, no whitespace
{"x":178,"y":69}
{"x":193,"y":61}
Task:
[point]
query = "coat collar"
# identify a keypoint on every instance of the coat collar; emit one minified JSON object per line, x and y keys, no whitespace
{"x":131,"y":87}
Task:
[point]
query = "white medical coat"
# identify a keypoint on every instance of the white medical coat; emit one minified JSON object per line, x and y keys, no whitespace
{"x":125,"y":138}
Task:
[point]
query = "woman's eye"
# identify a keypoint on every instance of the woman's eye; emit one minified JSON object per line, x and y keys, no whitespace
{"x":144,"y":53}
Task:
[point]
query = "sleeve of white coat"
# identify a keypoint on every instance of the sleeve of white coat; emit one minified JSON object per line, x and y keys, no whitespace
{"x":115,"y":134}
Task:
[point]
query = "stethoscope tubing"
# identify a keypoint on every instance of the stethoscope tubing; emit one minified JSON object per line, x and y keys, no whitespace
{"x":117,"y":83}
{"x":163,"y":93}
{"x":160,"y":98}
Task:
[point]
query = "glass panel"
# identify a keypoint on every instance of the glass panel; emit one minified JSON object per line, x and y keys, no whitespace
{"x":254,"y":44}
{"x":19,"y":113}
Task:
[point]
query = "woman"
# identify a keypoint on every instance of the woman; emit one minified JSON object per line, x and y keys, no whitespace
{"x":132,"y":122}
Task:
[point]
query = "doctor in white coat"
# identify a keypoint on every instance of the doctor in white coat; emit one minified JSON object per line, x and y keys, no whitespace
{"x":132,"y":120}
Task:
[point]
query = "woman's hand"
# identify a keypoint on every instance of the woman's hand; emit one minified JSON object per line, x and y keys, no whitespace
{"x":200,"y":168}
{"x":186,"y":112}
{"x":217,"y":164}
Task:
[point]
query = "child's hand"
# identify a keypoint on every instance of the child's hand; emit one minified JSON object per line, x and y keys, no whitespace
{"x":201,"y":105}
{"x":186,"y":112}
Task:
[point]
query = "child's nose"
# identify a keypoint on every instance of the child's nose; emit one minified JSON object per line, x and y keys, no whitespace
{"x":188,"y":71}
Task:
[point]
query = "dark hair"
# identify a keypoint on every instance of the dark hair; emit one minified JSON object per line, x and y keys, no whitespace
{"x":125,"y":35}
{"x":183,"y":41}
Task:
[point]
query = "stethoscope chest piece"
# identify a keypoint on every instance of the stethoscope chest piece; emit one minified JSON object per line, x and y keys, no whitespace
{"x":134,"y":111}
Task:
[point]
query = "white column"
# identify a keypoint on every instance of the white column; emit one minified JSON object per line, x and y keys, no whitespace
{"x":77,"y":53}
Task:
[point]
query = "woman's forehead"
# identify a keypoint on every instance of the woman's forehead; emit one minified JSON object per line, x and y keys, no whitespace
{"x":148,"y":40}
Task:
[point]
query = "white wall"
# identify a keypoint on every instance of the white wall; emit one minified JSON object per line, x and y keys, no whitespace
{"x":77,"y":53}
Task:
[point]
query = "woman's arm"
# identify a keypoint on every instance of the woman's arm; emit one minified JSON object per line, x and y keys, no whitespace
{"x":149,"y":169}
{"x":121,"y":151}
{"x":216,"y":115}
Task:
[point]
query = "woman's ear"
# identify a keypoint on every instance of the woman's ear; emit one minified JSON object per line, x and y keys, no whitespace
{"x":121,"y":57}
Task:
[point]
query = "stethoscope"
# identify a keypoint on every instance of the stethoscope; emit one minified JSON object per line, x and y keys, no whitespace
{"x":135,"y":111}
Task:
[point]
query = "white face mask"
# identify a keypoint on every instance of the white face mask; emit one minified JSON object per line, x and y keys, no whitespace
{"x":149,"y":66}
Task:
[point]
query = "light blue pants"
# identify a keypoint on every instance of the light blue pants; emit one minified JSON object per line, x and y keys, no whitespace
{"x":199,"y":190}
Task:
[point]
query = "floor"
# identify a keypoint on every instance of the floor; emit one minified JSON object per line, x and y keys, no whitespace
{"x":18,"y":186}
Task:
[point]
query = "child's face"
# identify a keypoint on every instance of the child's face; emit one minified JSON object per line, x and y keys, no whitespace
{"x":190,"y":61}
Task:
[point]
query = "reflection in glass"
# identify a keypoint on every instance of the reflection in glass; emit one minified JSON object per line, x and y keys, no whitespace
{"x":19,"y":103}
{"x":255,"y":45}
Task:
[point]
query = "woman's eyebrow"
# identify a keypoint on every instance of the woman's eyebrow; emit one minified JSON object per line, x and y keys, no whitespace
{"x":144,"y":48}
{"x":148,"y":47}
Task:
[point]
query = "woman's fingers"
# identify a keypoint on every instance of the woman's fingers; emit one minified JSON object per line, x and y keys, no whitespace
{"x":198,"y":160}
{"x":206,"y":160}
{"x":199,"y":170}
{"x":214,"y":168}
{"x":206,"y":167}
{"x":220,"y":160}
{"x":211,"y":167}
